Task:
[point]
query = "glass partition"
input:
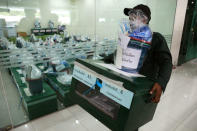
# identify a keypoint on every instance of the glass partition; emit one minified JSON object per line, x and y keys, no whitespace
{"x":63,"y":29}
{"x":109,"y":14}
{"x":162,"y":17}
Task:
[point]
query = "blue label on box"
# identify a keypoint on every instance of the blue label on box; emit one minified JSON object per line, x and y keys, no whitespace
{"x":112,"y":91}
{"x":119,"y":95}
{"x":84,"y":76}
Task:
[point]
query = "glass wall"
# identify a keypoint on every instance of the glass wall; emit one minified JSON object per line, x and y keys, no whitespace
{"x":85,"y":17}
{"x":77,"y":15}
{"x":109,"y":13}
{"x":163,"y":14}
{"x":18,"y":18}
{"x":93,"y":23}
{"x":5,"y":119}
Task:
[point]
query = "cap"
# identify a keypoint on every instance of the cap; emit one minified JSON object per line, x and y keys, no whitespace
{"x":144,"y":8}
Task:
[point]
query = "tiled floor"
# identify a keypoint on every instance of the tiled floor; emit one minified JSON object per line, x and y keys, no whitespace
{"x":71,"y":119}
{"x":4,"y":120}
{"x":177,"y":110}
{"x":10,"y":94}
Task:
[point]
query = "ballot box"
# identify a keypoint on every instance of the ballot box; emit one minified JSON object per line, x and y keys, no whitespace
{"x":119,"y":100}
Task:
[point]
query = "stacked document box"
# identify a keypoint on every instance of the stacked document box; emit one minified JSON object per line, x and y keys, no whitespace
{"x":2,"y":27}
{"x":11,"y":31}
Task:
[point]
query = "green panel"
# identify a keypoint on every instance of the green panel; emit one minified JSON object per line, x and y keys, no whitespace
{"x":42,"y":107}
{"x":140,"y":112}
{"x":61,"y":90}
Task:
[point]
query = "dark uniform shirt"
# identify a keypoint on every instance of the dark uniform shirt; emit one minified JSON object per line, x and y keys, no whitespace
{"x":158,"y":62}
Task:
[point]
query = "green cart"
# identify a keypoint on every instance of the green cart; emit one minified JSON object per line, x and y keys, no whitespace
{"x":35,"y":105}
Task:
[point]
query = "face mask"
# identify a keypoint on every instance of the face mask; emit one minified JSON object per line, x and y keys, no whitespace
{"x":135,"y":24}
{"x":137,"y":19}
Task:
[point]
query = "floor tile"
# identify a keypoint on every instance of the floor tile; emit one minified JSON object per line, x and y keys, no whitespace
{"x":51,"y":120}
{"x":25,"y":127}
{"x":92,"y":123}
{"x":78,"y":112}
{"x":189,"y":124}
{"x":69,"y":125}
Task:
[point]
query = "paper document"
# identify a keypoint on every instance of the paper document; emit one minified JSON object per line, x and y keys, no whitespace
{"x":27,"y":92}
{"x":131,"y":58}
{"x":23,"y":79}
{"x":19,"y":71}
{"x":113,"y":68}
{"x":123,"y":40}
{"x":118,"y":60}
{"x":41,"y":67}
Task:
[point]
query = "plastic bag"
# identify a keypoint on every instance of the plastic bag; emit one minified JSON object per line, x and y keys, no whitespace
{"x":139,"y":29}
{"x":32,"y":72}
{"x":64,"y":78}
{"x":134,"y":42}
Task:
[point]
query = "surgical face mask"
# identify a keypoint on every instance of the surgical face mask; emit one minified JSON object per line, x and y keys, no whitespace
{"x":135,"y":24}
{"x":137,"y":19}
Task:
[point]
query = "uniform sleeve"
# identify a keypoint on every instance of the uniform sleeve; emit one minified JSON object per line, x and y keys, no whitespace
{"x":164,"y":60}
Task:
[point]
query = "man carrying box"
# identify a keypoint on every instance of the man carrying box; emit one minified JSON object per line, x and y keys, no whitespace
{"x":157,"y":63}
